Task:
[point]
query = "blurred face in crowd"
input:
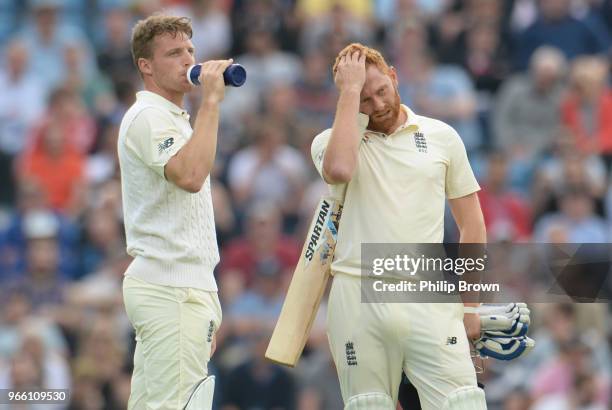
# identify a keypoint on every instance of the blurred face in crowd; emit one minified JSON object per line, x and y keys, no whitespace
{"x":167,"y":68}
{"x":264,"y":227}
{"x":15,"y":309}
{"x":546,"y":72}
{"x":46,"y":18}
{"x":577,"y":206}
{"x":43,"y":256}
{"x":554,"y":9}
{"x":586,"y":390}
{"x":73,"y":56}
{"x":497,"y":171}
{"x":545,"y":78}
{"x":30,"y":196}
{"x":17,"y":58}
{"x":483,"y":38}
{"x":103,"y":228}
{"x":260,"y":42}
{"x":560,"y":323}
{"x":380,"y":99}
{"x":24,"y":371}
{"x":269,"y":139}
{"x":54,"y":140}
{"x":589,"y":77}
{"x":117,"y":24}
{"x":484,"y":9}
{"x":315,"y":70}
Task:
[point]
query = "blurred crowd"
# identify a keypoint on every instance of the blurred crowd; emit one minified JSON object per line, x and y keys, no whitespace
{"x":526,"y":83}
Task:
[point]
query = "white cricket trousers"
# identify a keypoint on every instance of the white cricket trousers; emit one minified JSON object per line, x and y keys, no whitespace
{"x":174,"y":332}
{"x":371,"y":343}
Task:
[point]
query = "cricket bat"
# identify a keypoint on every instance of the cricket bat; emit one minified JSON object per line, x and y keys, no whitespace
{"x":307,"y":285}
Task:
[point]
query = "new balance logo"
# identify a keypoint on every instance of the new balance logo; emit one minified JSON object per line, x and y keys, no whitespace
{"x":351,"y":356}
{"x":421,"y":143}
{"x":451,"y":340}
{"x":162,"y":146}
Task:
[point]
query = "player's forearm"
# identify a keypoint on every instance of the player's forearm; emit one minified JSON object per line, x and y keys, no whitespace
{"x":475,"y":233}
{"x":195,"y":160}
{"x":343,"y":148}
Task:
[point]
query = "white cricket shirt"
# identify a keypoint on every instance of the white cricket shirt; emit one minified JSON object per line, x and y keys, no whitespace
{"x":398,"y":191}
{"x":170,"y":232}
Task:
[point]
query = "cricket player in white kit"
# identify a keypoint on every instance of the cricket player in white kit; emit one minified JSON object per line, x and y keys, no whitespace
{"x":398,"y":168}
{"x":169,"y":289}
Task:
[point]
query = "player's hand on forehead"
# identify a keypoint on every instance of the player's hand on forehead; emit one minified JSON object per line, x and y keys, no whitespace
{"x":350,"y":72}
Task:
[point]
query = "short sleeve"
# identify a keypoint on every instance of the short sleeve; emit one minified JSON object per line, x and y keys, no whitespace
{"x":154,"y":138}
{"x":460,"y":179}
{"x":317,"y":150}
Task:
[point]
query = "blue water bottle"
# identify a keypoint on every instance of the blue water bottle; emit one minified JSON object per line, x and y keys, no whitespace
{"x":234,"y":75}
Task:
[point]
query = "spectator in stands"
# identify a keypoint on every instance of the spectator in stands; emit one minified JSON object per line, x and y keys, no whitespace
{"x":268,"y":170}
{"x":21,"y":100}
{"x":42,"y":281}
{"x":506,"y":213}
{"x":320,"y":385}
{"x":564,"y":170}
{"x":212,"y":31}
{"x":316,"y":94}
{"x":259,"y":306}
{"x":577,"y":215}
{"x":65,"y":109}
{"x":485,"y":61}
{"x":443,"y":92}
{"x":55,"y":370}
{"x":587,"y":109}
{"x":55,"y":164}
{"x":101,"y":349}
{"x":113,"y":54}
{"x":527,"y":110}
{"x":569,"y":377}
{"x":103,"y":164}
{"x":259,"y":383}
{"x":102,"y":238}
{"x":45,"y":39}
{"x":266,"y":63}
{"x":262,"y":240}
{"x":335,"y":20}
{"x":94,"y":88}
{"x":555,"y":26}
{"x":582,"y":394}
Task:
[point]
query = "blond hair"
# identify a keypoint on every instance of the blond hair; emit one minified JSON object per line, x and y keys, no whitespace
{"x":373,"y":57}
{"x":146,"y":30}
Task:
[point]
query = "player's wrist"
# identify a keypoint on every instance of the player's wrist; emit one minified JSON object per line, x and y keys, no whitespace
{"x":470,"y":310}
{"x":351,"y":90}
{"x":210,"y":102}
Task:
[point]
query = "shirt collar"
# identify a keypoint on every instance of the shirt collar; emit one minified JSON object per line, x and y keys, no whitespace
{"x":154,"y":98}
{"x":412,"y":120}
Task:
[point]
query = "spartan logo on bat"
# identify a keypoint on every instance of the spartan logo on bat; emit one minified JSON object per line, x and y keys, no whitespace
{"x":317,"y":230}
{"x":162,"y":146}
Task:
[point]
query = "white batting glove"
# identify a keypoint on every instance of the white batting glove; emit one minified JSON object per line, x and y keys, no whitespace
{"x":511,"y":320}
{"x":501,"y":348}
{"x":503,"y":331}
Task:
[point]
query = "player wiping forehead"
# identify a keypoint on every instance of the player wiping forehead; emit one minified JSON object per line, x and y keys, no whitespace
{"x":398,"y":168}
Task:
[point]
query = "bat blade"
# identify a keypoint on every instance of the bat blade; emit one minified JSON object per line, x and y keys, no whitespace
{"x":307,"y":285}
